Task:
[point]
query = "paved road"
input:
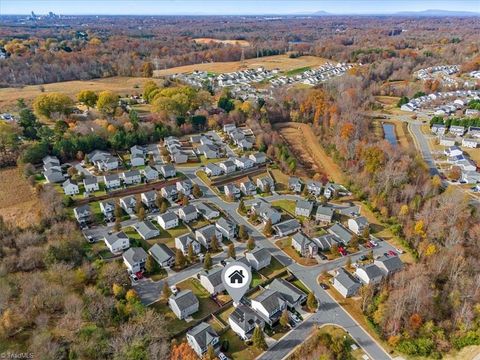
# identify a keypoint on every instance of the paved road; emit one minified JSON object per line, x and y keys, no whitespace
{"x":423,"y":147}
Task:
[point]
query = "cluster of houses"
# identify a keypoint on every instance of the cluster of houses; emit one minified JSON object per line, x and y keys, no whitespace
{"x":52,"y":170}
{"x":474,"y":74}
{"x":234,"y":164}
{"x":316,"y":188}
{"x":263,"y":184}
{"x":457,"y":157}
{"x":179,"y":152}
{"x":207,"y":146}
{"x":243,"y":77}
{"x":462,"y":98}
{"x":241,"y":137}
{"x":313,"y":76}
{"x":442,"y":72}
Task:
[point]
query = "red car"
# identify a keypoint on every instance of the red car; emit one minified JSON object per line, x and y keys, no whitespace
{"x":392,"y":253}
{"x":368,"y":245}
{"x":139,"y":275}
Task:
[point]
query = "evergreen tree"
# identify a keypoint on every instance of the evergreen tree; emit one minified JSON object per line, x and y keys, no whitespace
{"x":179,"y":259}
{"x":311,"y":302}
{"x":241,"y":207}
{"x":251,"y":243}
{"x":191,"y":254}
{"x":258,"y":339}
{"x":231,"y":251}
{"x":242,"y":232}
{"x":268,"y":229}
{"x":166,"y":292}
{"x":207,"y":262}
{"x":284,"y":318}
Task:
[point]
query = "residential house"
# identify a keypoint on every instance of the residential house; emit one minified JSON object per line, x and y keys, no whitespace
{"x":50,"y":161}
{"x":269,"y":304}
{"x":212,"y":280}
{"x":128,"y":204}
{"x":212,"y":169}
{"x":324,"y":214}
{"x":108,"y":163}
{"x":369,"y":274}
{"x":169,"y":192}
{"x":229,"y":128}
{"x":83,"y":214}
{"x":265,"y":184}
{"x":303,"y":208}
{"x":112,"y":181}
{"x":258,"y":158}
{"x":358,"y":224}
{"x":389,"y":264}
{"x":345,"y":283}
{"x":341,"y":232}
{"x":258,"y":258}
{"x":243,"y":163}
{"x":289,"y":292}
{"x":205,"y":234}
{"x":148,"y":198}
{"x":314,"y":188}
{"x":326,"y":241}
{"x":244,"y":320}
{"x":54,"y":175}
{"x":184,"y":187}
{"x":304,"y":245}
{"x":135,"y":259}
{"x":245,"y":144}
{"x":227,"y":228}
{"x":457,"y":130}
{"x":231,"y":190}
{"x":131,"y":177}
{"x":117,"y":242}
{"x":228,"y":166}
{"x":107,"y":208}
{"x":150,"y":173}
{"x":470,"y":177}
{"x":137,"y":150}
{"x":188,"y":213}
{"x":90,"y":183}
{"x":295,"y":184}
{"x":474,"y":131}
{"x":179,"y":157}
{"x":137,"y":160}
{"x":183,"y":304}
{"x":201,"y":337}
{"x":206,"y":211}
{"x":453,"y":151}
{"x":168,"y":220}
{"x":248,"y":188}
{"x":97,"y":155}
{"x":470,"y":143}
{"x":182,"y":242}
{"x":208,"y":151}
{"x":266,"y":212}
{"x":146,"y":229}
{"x":439,"y":129}
{"x":163,"y":255}
{"x":444,"y":141}
{"x":287,"y":227}
{"x":70,"y":187}
{"x":167,"y":170}
{"x":332,"y":190}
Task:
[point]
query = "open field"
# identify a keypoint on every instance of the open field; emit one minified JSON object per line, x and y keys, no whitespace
{"x":282,"y":62}
{"x":18,"y":202}
{"x":120,"y":85}
{"x":304,"y":144}
{"x":242,"y":43}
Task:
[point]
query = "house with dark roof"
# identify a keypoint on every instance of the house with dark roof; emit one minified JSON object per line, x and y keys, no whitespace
{"x":289,"y":292}
{"x":287,"y":227}
{"x":149,"y":198}
{"x":54,"y":175}
{"x":258,"y":158}
{"x":358,"y":225}
{"x":128,"y":204}
{"x":205,"y":234}
{"x":227,"y":228}
{"x":201,"y":337}
{"x":83,"y":214}
{"x":248,"y":188}
{"x":304,"y":245}
{"x":150,"y":173}
{"x":259,"y":258}
{"x":213,"y":169}
{"x":162,"y":254}
{"x":324,"y":214}
{"x":369,"y":274}
{"x":303,"y":208}
{"x":146,"y":229}
{"x":70,"y":187}
{"x":206,"y":211}
{"x":117,"y":242}
{"x":295,"y":184}
{"x":188,"y":213}
{"x":341,"y":232}
{"x":212,"y":280}
{"x":269,"y":304}
{"x":243,"y":321}
{"x":131,"y":177}
{"x":265,"y":184}
{"x":137,"y":160}
{"x":183,"y":304}
{"x":90,"y":183}
{"x":107,"y":207}
{"x":184,"y":187}
{"x":389,"y":264}
{"x":167,"y":170}
{"x":266,"y":212}
{"x":135,"y":259}
{"x":325,"y":242}
{"x":112,"y":181}
{"x":228,"y":166}
{"x":182,"y":242}
{"x":168,"y":220}
{"x":345,"y":283}
{"x":169,"y":192}
{"x":231,"y":190}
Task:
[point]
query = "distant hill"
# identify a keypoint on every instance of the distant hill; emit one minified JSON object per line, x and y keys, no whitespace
{"x":322,"y":13}
{"x":436,"y":12}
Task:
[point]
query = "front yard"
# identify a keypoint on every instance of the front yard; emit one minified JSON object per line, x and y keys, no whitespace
{"x":237,"y":349}
{"x":286,"y":205}
{"x":286,"y":246}
{"x":207,"y":305}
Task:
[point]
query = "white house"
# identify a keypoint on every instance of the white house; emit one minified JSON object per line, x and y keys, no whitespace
{"x":205,"y":234}
{"x":131,"y":177}
{"x":212,"y":280}
{"x":117,"y":242}
{"x":358,"y":224}
{"x":232,"y":190}
{"x":183,"y":242}
{"x":150,"y":173}
{"x":244,"y":320}
{"x":369,"y":274}
{"x":112,"y":181}
{"x":135,"y":259}
{"x":227,"y":228}
{"x":345,"y":283}
{"x":259,"y":258}
{"x":201,"y":337}
{"x":70,"y":187}
{"x":213,"y":169}
{"x":470,"y":143}
{"x":188,"y":213}
{"x":228,"y":166}
{"x":270,"y":305}
{"x":183,"y":304}
{"x":90,"y":183}
{"x":168,"y":220}
{"x":303,"y":208}
{"x":162,"y":254}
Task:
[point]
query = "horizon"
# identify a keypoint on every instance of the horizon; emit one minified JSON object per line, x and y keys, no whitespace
{"x":231,"y":8}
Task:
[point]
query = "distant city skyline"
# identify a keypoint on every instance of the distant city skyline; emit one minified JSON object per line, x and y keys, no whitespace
{"x":229,"y":7}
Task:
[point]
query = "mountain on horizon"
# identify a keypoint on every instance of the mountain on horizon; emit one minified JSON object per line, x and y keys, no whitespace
{"x":429,"y":12}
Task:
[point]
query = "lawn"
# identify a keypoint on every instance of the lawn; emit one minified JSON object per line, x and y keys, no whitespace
{"x":286,"y":205}
{"x":297,"y":71}
{"x":281,"y":179}
{"x":286,"y":246}
{"x":277,"y":332}
{"x":256,"y":279}
{"x":301,"y":286}
{"x":174,"y":324}
{"x":207,"y":305}
{"x":273,"y":269}
{"x":203,"y":176}
{"x":237,"y":349}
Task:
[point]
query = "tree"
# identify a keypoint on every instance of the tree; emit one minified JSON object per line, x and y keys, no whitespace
{"x":242,"y":232}
{"x":258,"y":339}
{"x":166,"y":292}
{"x":251,"y":243}
{"x":231,"y":251}
{"x":151,"y":266}
{"x":141,"y":213}
{"x":284,"y":320}
{"x":147,"y":69}
{"x":134,"y":119}
{"x":179,"y":259}
{"x":163,"y":207}
{"x":241,"y":207}
{"x":268,"y":229}
{"x":183,"y":351}
{"x":214,"y":243}
{"x":29,"y":123}
{"x":207,"y":262}
{"x":131,"y":296}
{"x":334,"y":250}
{"x":88,"y":98}
{"x":107,"y":102}
{"x":196,"y":191}
{"x":210,"y":355}
{"x":311,"y":302}
{"x":191,"y":254}
{"x":51,"y":104}
{"x":366,"y":233}
{"x":118,"y":224}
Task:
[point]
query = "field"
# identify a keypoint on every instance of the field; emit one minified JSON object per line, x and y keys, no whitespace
{"x":242,"y":43}
{"x":304,"y":144}
{"x":18,"y":202}
{"x":282,"y":62}
{"x":120,"y":85}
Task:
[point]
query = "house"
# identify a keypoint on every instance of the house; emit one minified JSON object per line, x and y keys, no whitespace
{"x":201,"y":337}
{"x":212,"y":169}
{"x":97,"y":155}
{"x":457,"y":130}
{"x":112,"y":181}
{"x":345,"y":283}
{"x":229,"y":128}
{"x":248,"y":188}
{"x":314,"y":188}
{"x":289,"y":292}
{"x":341,"y":232}
{"x":326,"y":241}
{"x":470,"y":143}
{"x":444,"y":141}
{"x":54,"y":175}
{"x":107,"y":207}
{"x":324,"y":214}
{"x":389,"y":264}
{"x":332,"y":189}
{"x":108,"y":163}
{"x":137,"y":160}
{"x":244,"y":320}
{"x":205,"y":234}
{"x":149,"y":198}
{"x":228,"y":166}
{"x":439,"y":129}
{"x":179,"y":157}
{"x":183,"y":304}
{"x":266,"y":212}
{"x":212,"y":280}
{"x":474,"y":131}
{"x":453,"y":151}
{"x":231,"y":190}
{"x":184,"y":187}
{"x":188,"y":213}
{"x":170,"y":192}
{"x":117,"y":242}
{"x":258,"y":158}
{"x":287,"y":227}
{"x":209,"y":151}
{"x":163,"y":255}
{"x":470,"y":177}
{"x":206,"y":211}
{"x":303,"y":208}
{"x":265,"y":184}
{"x":167,"y":170}
{"x":128,"y":203}
{"x":182,"y":242}
{"x":258,"y":258}
{"x":90,"y":183}
{"x":369,"y":274}
{"x":243,"y":163}
{"x":137,"y":150}
{"x":269,"y":304}
{"x":131,"y":177}
{"x":167,"y":220}
{"x":70,"y":187}
{"x":227,"y":228}
{"x":244,"y":144}
{"x":82,"y":214}
{"x":304,"y":245}
{"x":295,"y":184}
{"x":135,"y":259}
{"x":49,"y":161}
{"x":150,"y":173}
{"x":358,"y":224}
{"x":146,"y":229}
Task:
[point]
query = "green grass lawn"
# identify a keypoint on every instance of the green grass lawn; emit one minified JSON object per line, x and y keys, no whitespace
{"x":225,"y":314}
{"x":256,"y":279}
{"x":237,"y":349}
{"x":207,"y":305}
{"x":203,"y":176}
{"x":286,"y":205}
{"x":271,"y":270}
{"x":174,"y":324}
{"x":300,"y":285}
{"x":297,"y":71}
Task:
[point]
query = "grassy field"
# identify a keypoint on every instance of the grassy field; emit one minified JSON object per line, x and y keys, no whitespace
{"x":297,"y":71}
{"x":273,"y":269}
{"x":286,"y":246}
{"x":280,"y":178}
{"x":18,"y":201}
{"x":243,"y":43}
{"x":207,"y":305}
{"x":286,"y":205}
{"x":282,"y":62}
{"x":174,"y":324}
{"x":237,"y":349}
{"x":120,"y":85}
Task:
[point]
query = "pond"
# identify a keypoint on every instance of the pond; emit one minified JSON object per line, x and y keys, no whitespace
{"x":389,"y":134}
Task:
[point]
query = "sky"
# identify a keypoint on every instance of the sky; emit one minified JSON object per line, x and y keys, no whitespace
{"x":229,"y":7}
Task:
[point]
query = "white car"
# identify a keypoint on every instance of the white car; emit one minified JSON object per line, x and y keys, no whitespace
{"x":174,"y":289}
{"x":400,"y":251}
{"x":222,"y":356}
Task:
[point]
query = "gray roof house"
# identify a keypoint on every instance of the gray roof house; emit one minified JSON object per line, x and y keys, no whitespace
{"x":244,"y":320}
{"x":269,"y":304}
{"x":227,"y":228}
{"x":358,"y":224}
{"x":303,"y":208}
{"x":162,"y":254}
{"x":304,"y":245}
{"x":90,"y":183}
{"x":265,"y":183}
{"x":82,"y":213}
{"x":389,"y":264}
{"x":228,"y":166}
{"x":314,"y":187}
{"x":204,"y":235}
{"x":184,"y":186}
{"x":201,"y":337}
{"x":128,"y":203}
{"x":53,"y":176}
{"x":287,"y":227}
{"x":213,"y":169}
{"x":150,"y":173}
{"x":231,"y":190}
{"x":289,"y":292}
{"x":188,"y":213}
{"x":183,"y":304}
{"x":148,"y":198}
{"x":182,"y":242}
{"x":131,"y":177}
{"x":206,"y":211}
{"x":326,"y":241}
{"x":169,"y":192}
{"x":369,"y":274}
{"x":258,"y":158}
{"x":295,"y":184}
{"x":146,"y":229}
{"x":341,"y":232}
{"x":259,"y":258}
{"x":135,"y":259}
{"x":117,"y":242}
{"x":112,"y":181}
{"x":108,"y":208}
{"x":345,"y":283}
{"x":167,"y":170}
{"x":248,"y":188}
{"x":324,"y":213}
{"x":266,"y":211}
{"x":212,"y":280}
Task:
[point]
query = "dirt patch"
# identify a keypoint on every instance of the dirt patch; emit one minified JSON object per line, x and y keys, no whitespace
{"x":282,"y":62}
{"x":242,"y":43}
{"x":304,"y":144}
{"x":18,"y":201}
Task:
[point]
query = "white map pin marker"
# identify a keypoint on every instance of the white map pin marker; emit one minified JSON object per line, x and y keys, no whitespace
{"x":236,"y":277}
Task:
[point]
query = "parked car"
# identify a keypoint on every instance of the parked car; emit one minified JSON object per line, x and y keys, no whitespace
{"x":392,"y":253}
{"x":222,"y":356}
{"x":174,"y":289}
{"x":373,"y":243}
{"x":398,"y":250}
{"x":324,"y":286}
{"x":295,"y":318}
{"x":134,"y":277}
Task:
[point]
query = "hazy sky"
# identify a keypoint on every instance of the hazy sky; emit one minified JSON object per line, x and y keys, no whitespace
{"x":229,"y":7}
